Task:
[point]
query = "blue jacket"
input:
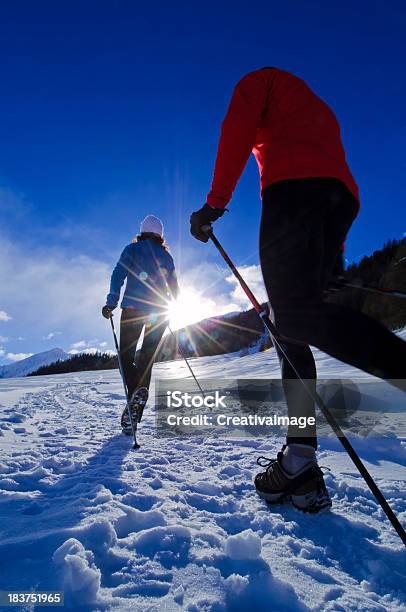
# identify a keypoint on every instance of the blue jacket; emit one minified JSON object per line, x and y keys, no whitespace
{"x":150,"y":274}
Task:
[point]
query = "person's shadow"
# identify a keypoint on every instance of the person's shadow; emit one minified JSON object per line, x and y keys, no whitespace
{"x":349,"y":545}
{"x":54,"y":516}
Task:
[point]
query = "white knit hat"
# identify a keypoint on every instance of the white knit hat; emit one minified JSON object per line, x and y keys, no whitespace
{"x":152,"y":225}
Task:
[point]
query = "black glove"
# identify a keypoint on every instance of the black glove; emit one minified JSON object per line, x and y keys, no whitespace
{"x":107,"y":311}
{"x":205,"y":216}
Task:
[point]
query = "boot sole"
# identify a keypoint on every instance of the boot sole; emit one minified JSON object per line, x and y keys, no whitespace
{"x":297,"y":502}
{"x":273,"y":498}
{"x":314,"y":509}
{"x":309,"y":498}
{"x":137,"y":405}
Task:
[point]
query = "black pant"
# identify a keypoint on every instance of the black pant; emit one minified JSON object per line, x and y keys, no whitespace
{"x":304,"y":223}
{"x":138,"y":373}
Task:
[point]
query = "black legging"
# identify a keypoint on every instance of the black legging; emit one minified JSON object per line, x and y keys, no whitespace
{"x":304,"y":223}
{"x":138,"y":373}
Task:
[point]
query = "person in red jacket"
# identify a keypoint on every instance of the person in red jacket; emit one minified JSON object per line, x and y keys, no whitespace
{"x":309,"y":201}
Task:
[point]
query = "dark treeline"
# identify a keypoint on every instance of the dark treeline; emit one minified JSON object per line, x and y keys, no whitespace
{"x":79,"y":363}
{"x":384,"y":268}
{"x":240,"y":331}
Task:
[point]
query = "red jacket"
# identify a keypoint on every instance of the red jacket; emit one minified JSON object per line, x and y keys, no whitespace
{"x":291,"y":132}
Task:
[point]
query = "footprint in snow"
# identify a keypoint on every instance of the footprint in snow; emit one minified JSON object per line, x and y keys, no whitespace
{"x":229,"y":471}
{"x":140,"y":502}
{"x":214,"y":505}
{"x":15,"y":417}
{"x":33,"y":509}
{"x":146,"y":588}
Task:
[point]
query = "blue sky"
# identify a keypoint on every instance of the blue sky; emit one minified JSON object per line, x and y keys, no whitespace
{"x":112,"y":110}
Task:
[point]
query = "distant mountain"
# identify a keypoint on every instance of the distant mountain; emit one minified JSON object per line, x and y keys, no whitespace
{"x":230,"y":333}
{"x":30,"y":364}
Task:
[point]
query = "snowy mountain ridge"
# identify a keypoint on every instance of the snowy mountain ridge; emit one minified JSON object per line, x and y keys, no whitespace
{"x":30,"y":364}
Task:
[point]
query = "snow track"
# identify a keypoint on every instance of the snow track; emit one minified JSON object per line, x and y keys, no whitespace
{"x":177,"y":525}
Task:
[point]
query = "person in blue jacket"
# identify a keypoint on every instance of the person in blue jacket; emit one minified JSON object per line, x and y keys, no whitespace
{"x":148,"y":268}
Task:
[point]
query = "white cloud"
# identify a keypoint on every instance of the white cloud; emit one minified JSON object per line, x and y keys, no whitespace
{"x":3,"y":339}
{"x":78,"y":345}
{"x":18,"y":356}
{"x":2,"y":351}
{"x":86,"y":346}
{"x":253,"y":277}
{"x":53,"y":290}
{"x":91,"y":350}
{"x":51,"y":335}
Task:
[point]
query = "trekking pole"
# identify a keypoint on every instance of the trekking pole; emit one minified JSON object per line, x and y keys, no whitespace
{"x":318,"y":400}
{"x":187,"y":363}
{"x":120,"y":367}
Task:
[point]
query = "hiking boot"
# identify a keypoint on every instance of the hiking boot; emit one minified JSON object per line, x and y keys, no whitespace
{"x":305,"y":489}
{"x":126,"y":423}
{"x":136,"y":405}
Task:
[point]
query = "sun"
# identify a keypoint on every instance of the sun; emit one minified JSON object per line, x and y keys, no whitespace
{"x":190,"y":307}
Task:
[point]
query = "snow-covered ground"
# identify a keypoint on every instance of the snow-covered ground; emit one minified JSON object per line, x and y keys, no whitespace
{"x":177,"y":525}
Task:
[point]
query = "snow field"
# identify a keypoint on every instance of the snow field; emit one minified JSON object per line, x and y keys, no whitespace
{"x":177,"y":525}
